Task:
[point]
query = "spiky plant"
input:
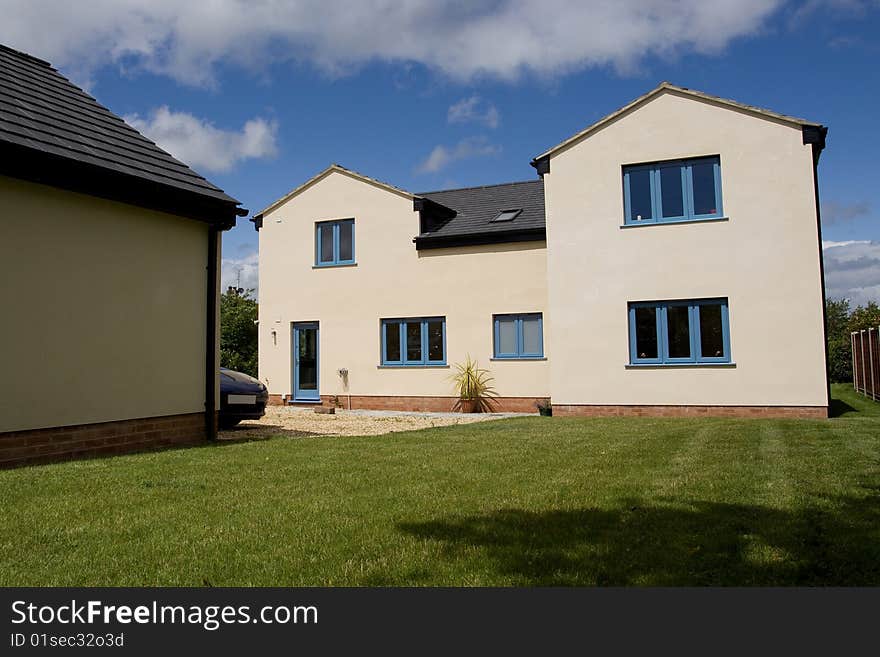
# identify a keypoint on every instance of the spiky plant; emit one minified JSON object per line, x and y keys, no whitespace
{"x":474,"y":384}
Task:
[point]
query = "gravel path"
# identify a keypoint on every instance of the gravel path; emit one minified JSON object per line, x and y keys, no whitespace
{"x":299,"y":422}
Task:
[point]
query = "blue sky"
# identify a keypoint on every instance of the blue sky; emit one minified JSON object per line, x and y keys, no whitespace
{"x":431,"y":95}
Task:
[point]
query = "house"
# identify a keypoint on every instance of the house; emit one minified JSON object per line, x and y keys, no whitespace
{"x":110,"y":250}
{"x":667,"y":261}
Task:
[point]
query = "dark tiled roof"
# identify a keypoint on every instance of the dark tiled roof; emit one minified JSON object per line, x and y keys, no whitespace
{"x":476,"y":207}
{"x":43,"y":113}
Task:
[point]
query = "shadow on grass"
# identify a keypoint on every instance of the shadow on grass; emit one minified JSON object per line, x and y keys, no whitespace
{"x":245,"y":433}
{"x":839,"y":407}
{"x":702,"y":543}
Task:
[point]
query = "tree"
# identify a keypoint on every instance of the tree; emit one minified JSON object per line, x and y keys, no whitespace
{"x":865,"y":317}
{"x":842,"y":321}
{"x":839,"y":349}
{"x":238,"y":331}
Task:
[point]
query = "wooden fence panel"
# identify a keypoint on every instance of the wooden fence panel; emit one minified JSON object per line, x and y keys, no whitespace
{"x":866,"y":362}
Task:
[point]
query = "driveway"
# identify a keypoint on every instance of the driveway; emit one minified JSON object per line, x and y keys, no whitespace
{"x":298,"y":422}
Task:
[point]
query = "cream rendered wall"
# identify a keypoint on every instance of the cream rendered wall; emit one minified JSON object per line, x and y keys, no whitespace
{"x":104,"y":310}
{"x":391,"y":279}
{"x":765,"y":259}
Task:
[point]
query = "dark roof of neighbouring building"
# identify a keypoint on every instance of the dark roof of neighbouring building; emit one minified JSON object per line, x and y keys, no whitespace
{"x":51,"y":131}
{"x":476,"y":207}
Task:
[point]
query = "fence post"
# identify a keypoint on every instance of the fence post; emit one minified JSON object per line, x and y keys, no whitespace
{"x":852,"y":346}
{"x":871,"y":360}
{"x":857,"y":358}
{"x":862,"y":348}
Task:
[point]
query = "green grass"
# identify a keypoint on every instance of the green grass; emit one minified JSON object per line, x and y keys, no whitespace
{"x":528,"y":501}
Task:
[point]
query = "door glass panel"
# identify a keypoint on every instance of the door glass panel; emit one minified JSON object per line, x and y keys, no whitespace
{"x":678,"y":331}
{"x":346,"y":241}
{"x":414,"y":341}
{"x":711,"y":331}
{"x":640,"y":195}
{"x":670,"y":191}
{"x":506,"y":335}
{"x":326,"y":232}
{"x":703,"y":178}
{"x":646,"y":332}
{"x":531,"y":329}
{"x":435,"y":340}
{"x":307,"y":368}
{"x":392,"y":342}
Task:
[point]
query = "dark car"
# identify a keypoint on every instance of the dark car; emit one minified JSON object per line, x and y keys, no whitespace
{"x":242,"y":397}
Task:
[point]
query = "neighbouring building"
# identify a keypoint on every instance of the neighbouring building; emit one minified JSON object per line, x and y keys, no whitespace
{"x":109,"y":249}
{"x":666,"y":261}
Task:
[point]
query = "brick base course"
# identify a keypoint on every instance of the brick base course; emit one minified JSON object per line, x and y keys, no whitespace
{"x":410,"y":403}
{"x":527,"y":405}
{"x":104,"y":438}
{"x":588,"y":410}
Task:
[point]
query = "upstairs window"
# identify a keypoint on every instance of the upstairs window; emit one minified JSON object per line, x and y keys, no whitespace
{"x":519,"y":336}
{"x":679,"y":332}
{"x":678,"y":190}
{"x":334,"y":243}
{"x":414,"y":341}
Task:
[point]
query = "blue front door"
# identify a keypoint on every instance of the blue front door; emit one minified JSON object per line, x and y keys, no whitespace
{"x":305,"y":362}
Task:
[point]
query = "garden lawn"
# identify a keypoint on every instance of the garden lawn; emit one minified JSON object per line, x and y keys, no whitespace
{"x":527,"y":501}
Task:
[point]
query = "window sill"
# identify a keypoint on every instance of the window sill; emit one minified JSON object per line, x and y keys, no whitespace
{"x":666,"y":366}
{"x":674,"y":222}
{"x":532,"y":358}
{"x":438,"y":366}
{"x":345,"y":264}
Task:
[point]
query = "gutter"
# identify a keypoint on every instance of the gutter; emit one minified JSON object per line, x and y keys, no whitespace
{"x":815,"y":135}
{"x":80,"y":177}
{"x":212,"y":337}
{"x":446,"y":241}
{"x":542,"y":165}
{"x":431,"y":213}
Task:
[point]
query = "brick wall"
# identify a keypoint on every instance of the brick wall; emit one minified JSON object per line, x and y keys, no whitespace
{"x":105,"y":438}
{"x":801,"y":412}
{"x":527,"y":405}
{"x":412,"y":403}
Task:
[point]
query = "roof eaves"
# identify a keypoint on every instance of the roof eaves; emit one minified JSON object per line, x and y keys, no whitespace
{"x":476,"y":238}
{"x":57,"y":170}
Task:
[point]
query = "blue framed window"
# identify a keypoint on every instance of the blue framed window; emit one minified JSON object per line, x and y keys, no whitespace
{"x":679,"y":332}
{"x":678,"y":190}
{"x":334,"y":243}
{"x":518,"y":336}
{"x":414,"y":341}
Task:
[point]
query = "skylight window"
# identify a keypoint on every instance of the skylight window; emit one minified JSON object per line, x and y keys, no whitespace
{"x":507,"y":215}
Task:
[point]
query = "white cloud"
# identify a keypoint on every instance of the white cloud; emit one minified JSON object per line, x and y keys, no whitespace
{"x":240,"y":272}
{"x":201,"y":145}
{"x":829,"y":244}
{"x":499,"y":38}
{"x":474,"y":110}
{"x":852,"y":271}
{"x":849,"y":8}
{"x":443,"y":156}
